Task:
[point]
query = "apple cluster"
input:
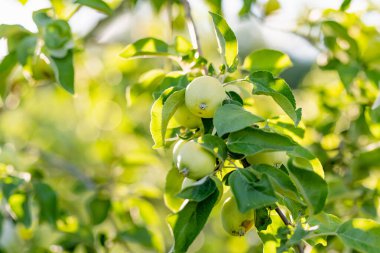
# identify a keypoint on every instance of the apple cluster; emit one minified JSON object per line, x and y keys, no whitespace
{"x":203,"y":96}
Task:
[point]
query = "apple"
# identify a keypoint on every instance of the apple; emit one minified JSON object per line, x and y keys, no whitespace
{"x":194,"y":161}
{"x":234,"y":222}
{"x":204,"y":95}
{"x":185,"y":118}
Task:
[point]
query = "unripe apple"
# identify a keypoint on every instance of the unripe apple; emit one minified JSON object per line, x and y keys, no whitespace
{"x":185,"y":118}
{"x":234,"y":222}
{"x":204,"y":95}
{"x":193,"y":161}
{"x":187,"y":182}
{"x":176,"y":149}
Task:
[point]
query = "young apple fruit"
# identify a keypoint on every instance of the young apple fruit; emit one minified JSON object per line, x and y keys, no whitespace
{"x":185,"y":118}
{"x":234,"y":222}
{"x":204,"y":95}
{"x":193,"y":161}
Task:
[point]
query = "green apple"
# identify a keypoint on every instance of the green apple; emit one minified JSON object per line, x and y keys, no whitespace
{"x":234,"y":222}
{"x":193,"y":161}
{"x":204,"y":95}
{"x":272,"y":158}
{"x":176,"y":149}
{"x":185,"y":118}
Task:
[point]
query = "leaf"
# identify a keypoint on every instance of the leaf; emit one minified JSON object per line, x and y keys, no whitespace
{"x":311,"y":186}
{"x":20,"y":205}
{"x":147,"y":47}
{"x":230,"y":118}
{"x":7,"y":65}
{"x":162,"y":112}
{"x":189,"y":221}
{"x":198,"y":191}
{"x":361,"y":234}
{"x":173,"y":185}
{"x":375,"y":109}
{"x":47,"y":200}
{"x":265,"y":84}
{"x":347,"y":73}
{"x":249,"y":191}
{"x":345,"y":5}
{"x":250,"y":141}
{"x":98,"y":207}
{"x":26,"y":49}
{"x":137,"y":234}
{"x":182,"y":45}
{"x":97,"y":5}
{"x":215,"y":145}
{"x":279,"y":180}
{"x":327,"y":223}
{"x":64,"y":71}
{"x":8,"y":31}
{"x":23,"y":2}
{"x":228,"y":45}
{"x":267,"y":60}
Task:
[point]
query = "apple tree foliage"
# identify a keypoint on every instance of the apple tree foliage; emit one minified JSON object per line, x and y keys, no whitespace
{"x":313,"y":197}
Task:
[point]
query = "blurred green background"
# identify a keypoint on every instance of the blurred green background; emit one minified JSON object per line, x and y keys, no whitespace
{"x":93,"y":150}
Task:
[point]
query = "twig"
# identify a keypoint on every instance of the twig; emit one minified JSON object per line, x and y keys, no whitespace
{"x":193,"y":31}
{"x":56,"y":161}
{"x":77,"y":8}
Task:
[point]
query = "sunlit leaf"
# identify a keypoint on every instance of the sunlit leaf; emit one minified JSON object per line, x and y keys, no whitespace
{"x":361,"y":234}
{"x":97,"y":5}
{"x":227,"y":42}
{"x":148,"y":47}
{"x":161,"y":113}
{"x":267,"y":60}
{"x":265,"y":84}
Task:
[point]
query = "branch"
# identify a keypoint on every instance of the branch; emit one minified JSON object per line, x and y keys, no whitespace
{"x":193,"y":30}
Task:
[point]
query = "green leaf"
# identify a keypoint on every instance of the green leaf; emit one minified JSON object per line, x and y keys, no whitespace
{"x":47,"y":200}
{"x":20,"y":205}
{"x":161,"y":113}
{"x":279,"y":180}
{"x":41,"y":18}
{"x":267,"y":60}
{"x":327,"y":223}
{"x":361,"y":234}
{"x":57,"y":34}
{"x":98,"y":207}
{"x":23,"y":2}
{"x":64,"y":71}
{"x":8,"y":31}
{"x":147,"y":47}
{"x":375,"y":109}
{"x":198,"y":191}
{"x":262,"y":219}
{"x":215,"y":145}
{"x":228,"y":45}
{"x":347,"y":73}
{"x":251,"y":141}
{"x":249,"y":191}
{"x":231,"y":118}
{"x":265,"y":84}
{"x":97,"y":5}
{"x":137,"y":234}
{"x":173,"y":185}
{"x":189,"y":221}
{"x":7,"y":65}
{"x":25,"y":49}
{"x":182,"y":45}
{"x":345,"y":5}
{"x":311,"y":186}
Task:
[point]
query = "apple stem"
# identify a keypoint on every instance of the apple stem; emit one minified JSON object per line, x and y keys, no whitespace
{"x":193,"y":31}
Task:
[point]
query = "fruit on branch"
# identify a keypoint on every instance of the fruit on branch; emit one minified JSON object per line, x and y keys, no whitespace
{"x":234,"y":222}
{"x":204,"y":95}
{"x":187,"y":182}
{"x":176,"y":149}
{"x":185,"y":118}
{"x":193,"y":161}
